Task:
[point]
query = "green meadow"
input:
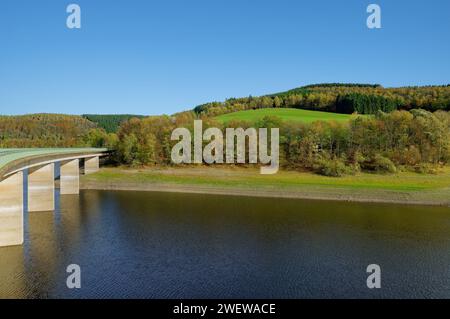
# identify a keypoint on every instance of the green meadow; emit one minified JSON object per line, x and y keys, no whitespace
{"x":286,"y":114}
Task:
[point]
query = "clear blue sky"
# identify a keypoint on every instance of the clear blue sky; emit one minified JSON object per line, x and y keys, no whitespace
{"x":153,"y":57}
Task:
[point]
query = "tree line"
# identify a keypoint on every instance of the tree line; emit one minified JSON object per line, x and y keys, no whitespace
{"x":416,"y":140}
{"x":386,"y":142}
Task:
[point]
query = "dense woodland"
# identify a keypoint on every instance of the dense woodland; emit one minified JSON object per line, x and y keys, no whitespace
{"x":409,"y":129}
{"x":110,"y":123}
{"x":417,"y":140}
{"x":43,"y":130}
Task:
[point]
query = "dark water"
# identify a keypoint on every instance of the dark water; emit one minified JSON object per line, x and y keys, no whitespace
{"x":160,"y":245}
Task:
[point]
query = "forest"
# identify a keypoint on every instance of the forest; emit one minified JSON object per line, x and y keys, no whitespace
{"x":43,"y":130}
{"x":109,"y":122}
{"x":415,"y":140}
{"x":407,"y":129}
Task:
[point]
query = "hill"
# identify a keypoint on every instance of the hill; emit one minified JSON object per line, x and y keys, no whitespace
{"x":109,"y":122}
{"x":339,"y":98}
{"x":294,"y":115}
{"x":43,"y":130}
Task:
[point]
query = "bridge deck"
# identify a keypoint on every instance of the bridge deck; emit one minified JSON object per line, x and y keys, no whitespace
{"x":14,"y":158}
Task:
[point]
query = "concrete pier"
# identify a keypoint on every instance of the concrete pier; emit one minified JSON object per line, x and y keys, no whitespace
{"x":41,"y":188}
{"x":91,"y":165}
{"x":70,"y":177}
{"x":11,"y":210}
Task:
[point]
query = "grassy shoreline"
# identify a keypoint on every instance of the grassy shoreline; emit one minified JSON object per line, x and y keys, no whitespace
{"x":401,"y":188}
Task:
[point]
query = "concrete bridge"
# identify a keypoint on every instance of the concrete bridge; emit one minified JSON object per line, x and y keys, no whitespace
{"x":39,"y":164}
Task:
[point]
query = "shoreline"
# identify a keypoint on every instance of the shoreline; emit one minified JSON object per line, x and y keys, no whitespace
{"x":306,"y":193}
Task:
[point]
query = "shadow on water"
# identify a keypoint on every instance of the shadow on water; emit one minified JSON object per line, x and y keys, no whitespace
{"x":169,"y":245}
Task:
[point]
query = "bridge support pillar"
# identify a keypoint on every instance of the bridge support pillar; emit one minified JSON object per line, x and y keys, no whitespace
{"x":70,"y":178}
{"x":11,"y":210}
{"x":41,"y":188}
{"x":91,"y":165}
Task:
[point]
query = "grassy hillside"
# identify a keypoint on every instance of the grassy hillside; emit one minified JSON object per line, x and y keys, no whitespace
{"x":109,"y":122}
{"x":43,"y":130}
{"x":294,"y":115}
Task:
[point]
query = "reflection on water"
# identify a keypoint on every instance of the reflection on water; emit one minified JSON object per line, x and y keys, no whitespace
{"x":162,"y":245}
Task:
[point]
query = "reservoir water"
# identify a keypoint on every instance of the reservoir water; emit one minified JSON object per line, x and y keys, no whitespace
{"x":169,"y":245}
